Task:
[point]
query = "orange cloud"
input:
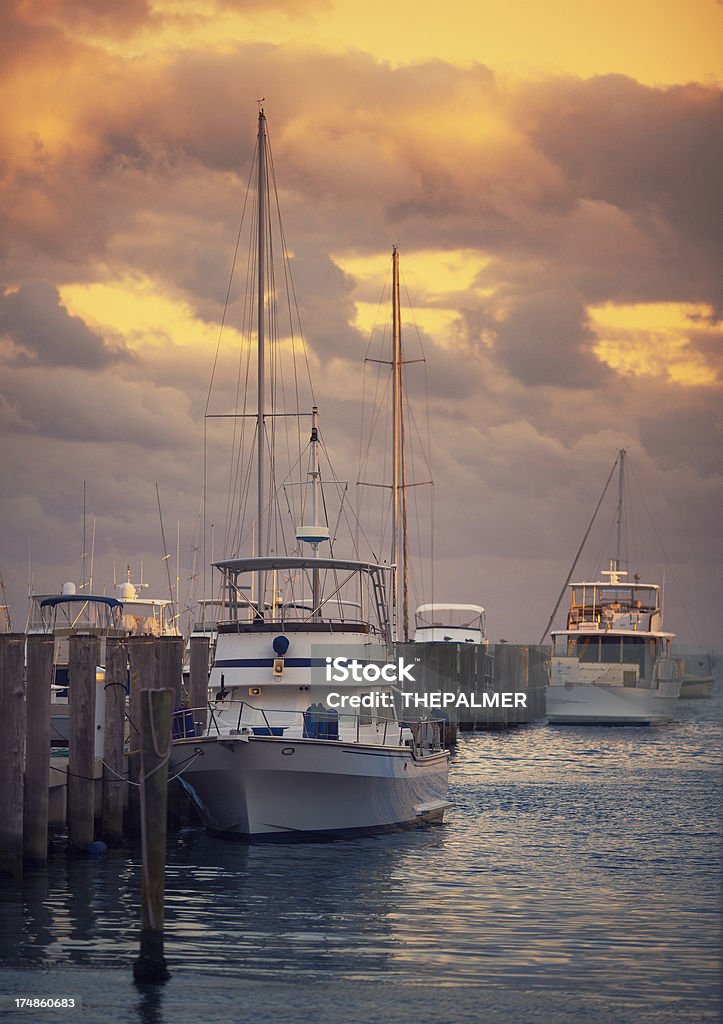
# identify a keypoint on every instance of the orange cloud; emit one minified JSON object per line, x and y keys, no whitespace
{"x":665,"y":340}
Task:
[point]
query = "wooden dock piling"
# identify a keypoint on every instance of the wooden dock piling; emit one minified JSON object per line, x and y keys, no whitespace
{"x":170,"y":666}
{"x":156,"y":710}
{"x":12,"y":742}
{"x":170,"y":676}
{"x":36,"y":797}
{"x":198,"y":684}
{"x":143,"y":668}
{"x":82,"y":663}
{"x":116,"y":674}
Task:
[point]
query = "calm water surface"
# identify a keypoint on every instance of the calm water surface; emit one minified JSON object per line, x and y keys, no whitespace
{"x":576,"y":878}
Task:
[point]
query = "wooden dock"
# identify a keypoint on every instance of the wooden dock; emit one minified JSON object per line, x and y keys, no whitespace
{"x":88,"y":785}
{"x":485,"y":672}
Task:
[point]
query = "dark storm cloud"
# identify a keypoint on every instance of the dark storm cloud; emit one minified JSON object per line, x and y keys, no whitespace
{"x":545,"y":340}
{"x":685,"y":430}
{"x":121,"y":20}
{"x":655,"y":153}
{"x":63,"y":404}
{"x":84,"y":15}
{"x":327,"y":306}
{"x":43,"y":331}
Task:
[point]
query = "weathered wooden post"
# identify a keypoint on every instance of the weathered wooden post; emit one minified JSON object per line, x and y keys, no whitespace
{"x":116,"y":674}
{"x":170,"y":676}
{"x":198,"y":687}
{"x":170,"y":666}
{"x":156,"y":712}
{"x":40,"y":651}
{"x":12,"y":744}
{"x":82,"y":664}
{"x":143,"y":666}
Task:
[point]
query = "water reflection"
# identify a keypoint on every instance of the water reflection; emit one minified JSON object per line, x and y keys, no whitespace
{"x":150,"y":1005}
{"x":573,"y":857}
{"x":307,"y":909}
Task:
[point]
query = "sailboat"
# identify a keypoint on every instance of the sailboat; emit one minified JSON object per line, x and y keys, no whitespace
{"x":301,"y":738}
{"x":612,"y":663}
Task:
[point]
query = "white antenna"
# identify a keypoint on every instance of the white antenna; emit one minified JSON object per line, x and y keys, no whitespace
{"x":166,"y":554}
{"x":30,"y":570}
{"x":92,"y":558}
{"x":178,"y":569}
{"x":83,"y":551}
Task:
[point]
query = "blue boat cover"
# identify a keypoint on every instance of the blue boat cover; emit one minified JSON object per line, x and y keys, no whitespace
{"x":50,"y":602}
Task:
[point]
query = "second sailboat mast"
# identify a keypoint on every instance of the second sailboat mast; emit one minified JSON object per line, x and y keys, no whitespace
{"x":261,"y":341}
{"x":398,"y":461}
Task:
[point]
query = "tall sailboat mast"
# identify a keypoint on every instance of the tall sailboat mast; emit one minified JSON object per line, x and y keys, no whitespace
{"x":396,"y":341}
{"x":399,"y":481}
{"x":261,"y":342}
{"x":315,"y":589}
{"x":619,"y":512}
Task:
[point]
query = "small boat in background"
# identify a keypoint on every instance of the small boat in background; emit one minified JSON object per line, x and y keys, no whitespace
{"x":450,"y":623}
{"x":145,"y":616}
{"x":65,"y":615}
{"x":612,"y":665}
{"x":699,"y":683}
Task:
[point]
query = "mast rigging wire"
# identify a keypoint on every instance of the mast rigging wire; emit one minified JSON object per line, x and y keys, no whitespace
{"x":579,"y":552}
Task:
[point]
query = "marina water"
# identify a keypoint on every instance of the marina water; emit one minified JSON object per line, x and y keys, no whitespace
{"x":576,"y":878}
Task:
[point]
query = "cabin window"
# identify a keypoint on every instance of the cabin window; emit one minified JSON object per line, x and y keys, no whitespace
{"x":610,"y":650}
{"x":634,"y":652}
{"x":585,"y":648}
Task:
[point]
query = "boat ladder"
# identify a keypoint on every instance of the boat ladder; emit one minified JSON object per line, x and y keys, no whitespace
{"x":380,"y":600}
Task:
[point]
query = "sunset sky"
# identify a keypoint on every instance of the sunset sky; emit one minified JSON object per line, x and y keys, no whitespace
{"x":552,"y":175}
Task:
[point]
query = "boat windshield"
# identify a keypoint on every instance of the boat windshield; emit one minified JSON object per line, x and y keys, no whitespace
{"x":449,"y":617}
{"x":148,"y":618}
{"x":611,"y":650}
{"x":592,"y":602}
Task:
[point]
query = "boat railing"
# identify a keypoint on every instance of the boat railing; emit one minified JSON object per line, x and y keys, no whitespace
{"x":241,"y":719}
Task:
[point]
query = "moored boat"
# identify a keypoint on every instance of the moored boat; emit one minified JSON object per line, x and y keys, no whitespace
{"x":65,"y":615}
{"x":289,"y":747}
{"x":288,"y":753}
{"x":145,"y":615}
{"x":612,"y":663}
{"x":450,"y":623}
{"x":699,"y":683}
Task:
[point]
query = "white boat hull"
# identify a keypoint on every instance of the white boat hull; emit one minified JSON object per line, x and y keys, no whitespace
{"x":271,"y":788}
{"x":697,"y":688}
{"x":591,"y":704}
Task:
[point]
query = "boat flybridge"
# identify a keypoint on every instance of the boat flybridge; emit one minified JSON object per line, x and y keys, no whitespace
{"x":146,"y":616}
{"x":292,"y":746}
{"x":612,"y":664}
